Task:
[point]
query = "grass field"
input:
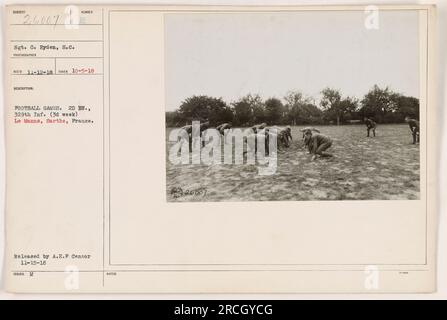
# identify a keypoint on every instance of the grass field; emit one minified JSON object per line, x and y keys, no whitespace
{"x":380,"y":168}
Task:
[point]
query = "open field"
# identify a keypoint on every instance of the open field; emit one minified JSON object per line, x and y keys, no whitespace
{"x":380,"y":168}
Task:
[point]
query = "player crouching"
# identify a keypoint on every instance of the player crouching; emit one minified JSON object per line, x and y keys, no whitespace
{"x":317,"y":144}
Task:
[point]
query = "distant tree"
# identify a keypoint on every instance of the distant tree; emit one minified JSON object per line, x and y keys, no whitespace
{"x":242,"y":112}
{"x":406,"y":106}
{"x":301,"y":110}
{"x":312,"y":114}
{"x":378,"y":103}
{"x":294,"y":100}
{"x":249,"y":110}
{"x":225,"y":115}
{"x":336,"y":108}
{"x":294,"y":97}
{"x":383,"y":105}
{"x":173,"y":119}
{"x":349,"y":105}
{"x":330,"y":103}
{"x":258,"y":108}
{"x":273,"y":110}
{"x":205,"y":108}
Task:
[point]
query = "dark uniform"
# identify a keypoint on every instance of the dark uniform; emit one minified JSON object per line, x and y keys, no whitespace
{"x":259,"y":127}
{"x":370,"y":125}
{"x":414,"y":127}
{"x":318,"y":143}
{"x":307,"y":134}
{"x":252,"y":141}
{"x":285,"y":136}
{"x":203,"y":127}
{"x":222,"y":127}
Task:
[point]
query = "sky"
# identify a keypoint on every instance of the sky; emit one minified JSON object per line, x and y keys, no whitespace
{"x":229,"y":55}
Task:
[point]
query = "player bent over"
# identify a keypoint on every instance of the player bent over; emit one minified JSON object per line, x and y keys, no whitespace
{"x":259,"y":127}
{"x":222,"y":127}
{"x":308,"y":131}
{"x":188,"y":129}
{"x":370,"y":125}
{"x":414,"y":127}
{"x":285,"y":136}
{"x":318,"y":144}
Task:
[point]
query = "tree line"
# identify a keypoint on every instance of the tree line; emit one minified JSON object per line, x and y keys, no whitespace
{"x":380,"y":104}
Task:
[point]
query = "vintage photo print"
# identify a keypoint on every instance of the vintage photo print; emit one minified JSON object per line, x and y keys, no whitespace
{"x":298,"y":105}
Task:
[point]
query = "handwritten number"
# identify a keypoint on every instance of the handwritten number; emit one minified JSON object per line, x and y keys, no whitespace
{"x":26,"y":19}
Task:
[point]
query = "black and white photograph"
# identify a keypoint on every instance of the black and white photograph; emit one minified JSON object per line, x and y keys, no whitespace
{"x":293,"y":106}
